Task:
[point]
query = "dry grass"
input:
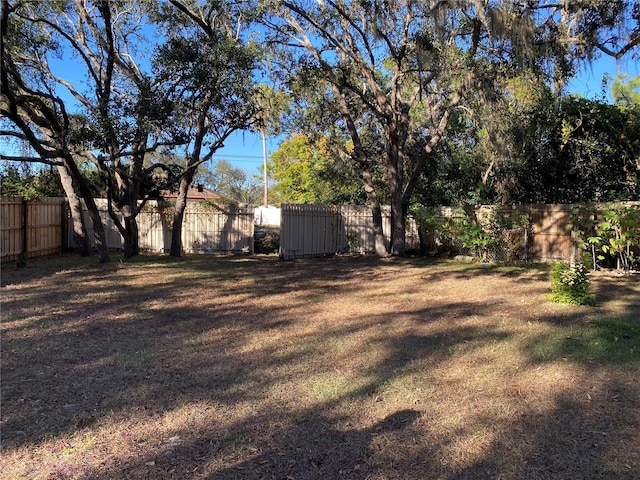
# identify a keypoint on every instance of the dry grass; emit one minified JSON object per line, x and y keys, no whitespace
{"x":342,"y":368}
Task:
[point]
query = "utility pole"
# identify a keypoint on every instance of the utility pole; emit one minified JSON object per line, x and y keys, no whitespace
{"x":264,"y":168}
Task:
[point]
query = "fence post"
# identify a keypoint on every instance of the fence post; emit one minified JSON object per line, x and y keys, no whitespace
{"x":25,"y":230}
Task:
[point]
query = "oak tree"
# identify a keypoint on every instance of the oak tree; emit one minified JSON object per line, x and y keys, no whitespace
{"x":398,"y":71}
{"x":208,"y":64}
{"x":33,"y":110}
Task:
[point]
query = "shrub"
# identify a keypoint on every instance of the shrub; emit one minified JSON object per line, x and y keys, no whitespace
{"x":467,"y":229}
{"x":611,"y":234}
{"x":570,"y":284}
{"x":267,"y":241}
{"x":490,"y":233}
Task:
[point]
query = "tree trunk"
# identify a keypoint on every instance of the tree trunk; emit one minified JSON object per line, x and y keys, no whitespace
{"x":378,"y":231}
{"x":100,"y":237}
{"x":398,"y":233}
{"x":178,"y":216}
{"x":381,"y":242}
{"x":125,"y":223}
{"x":133,"y":197}
{"x":395,"y":176}
{"x":130,"y":224}
{"x":124,"y":214}
{"x":131,"y":245}
{"x":398,"y":226}
{"x":80,"y":236}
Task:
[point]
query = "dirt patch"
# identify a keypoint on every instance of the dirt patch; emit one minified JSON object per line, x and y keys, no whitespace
{"x":354,"y":368}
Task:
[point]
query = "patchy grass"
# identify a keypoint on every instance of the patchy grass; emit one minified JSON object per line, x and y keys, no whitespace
{"x":341,"y":368}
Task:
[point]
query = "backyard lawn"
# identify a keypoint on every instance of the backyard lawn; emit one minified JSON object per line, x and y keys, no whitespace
{"x":337,"y":368}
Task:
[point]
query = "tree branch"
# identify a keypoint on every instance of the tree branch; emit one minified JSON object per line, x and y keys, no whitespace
{"x":44,"y":161}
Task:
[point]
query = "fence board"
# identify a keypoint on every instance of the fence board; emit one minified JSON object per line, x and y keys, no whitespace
{"x":318,"y":230}
{"x":154,"y":229}
{"x":550,"y":231}
{"x":309,"y":231}
{"x":12,"y":227}
{"x":358,"y":232}
{"x":44,"y":227}
{"x":41,"y":235}
{"x":205,"y":229}
{"x":210,"y":230}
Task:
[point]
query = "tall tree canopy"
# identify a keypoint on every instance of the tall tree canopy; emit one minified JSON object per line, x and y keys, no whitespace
{"x":583,"y":150}
{"x":208,"y":63}
{"x":89,"y":96}
{"x":306,"y":171}
{"x":32,"y":108}
{"x":398,"y":71}
{"x":541,"y":148}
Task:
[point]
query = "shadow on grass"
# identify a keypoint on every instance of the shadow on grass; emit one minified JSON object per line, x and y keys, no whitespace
{"x":599,"y":342}
{"x":315,"y":447}
{"x":68,"y":378}
{"x":605,"y":334}
{"x":99,"y":347}
{"x":573,"y":439}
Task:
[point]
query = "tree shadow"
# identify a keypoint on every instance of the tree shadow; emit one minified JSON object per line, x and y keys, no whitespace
{"x":315,"y":447}
{"x":144,"y":358}
{"x":572,"y":439}
{"x":322,"y":452}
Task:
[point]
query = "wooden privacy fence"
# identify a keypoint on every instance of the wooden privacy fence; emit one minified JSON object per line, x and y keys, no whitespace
{"x":358,"y":234}
{"x":547,"y":236}
{"x":31,"y":229}
{"x":39,"y":228}
{"x":309,"y":231}
{"x":205,"y":228}
{"x":550,"y":231}
{"x":318,"y":230}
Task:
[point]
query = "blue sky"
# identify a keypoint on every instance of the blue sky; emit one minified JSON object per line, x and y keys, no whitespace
{"x":589,"y":80}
